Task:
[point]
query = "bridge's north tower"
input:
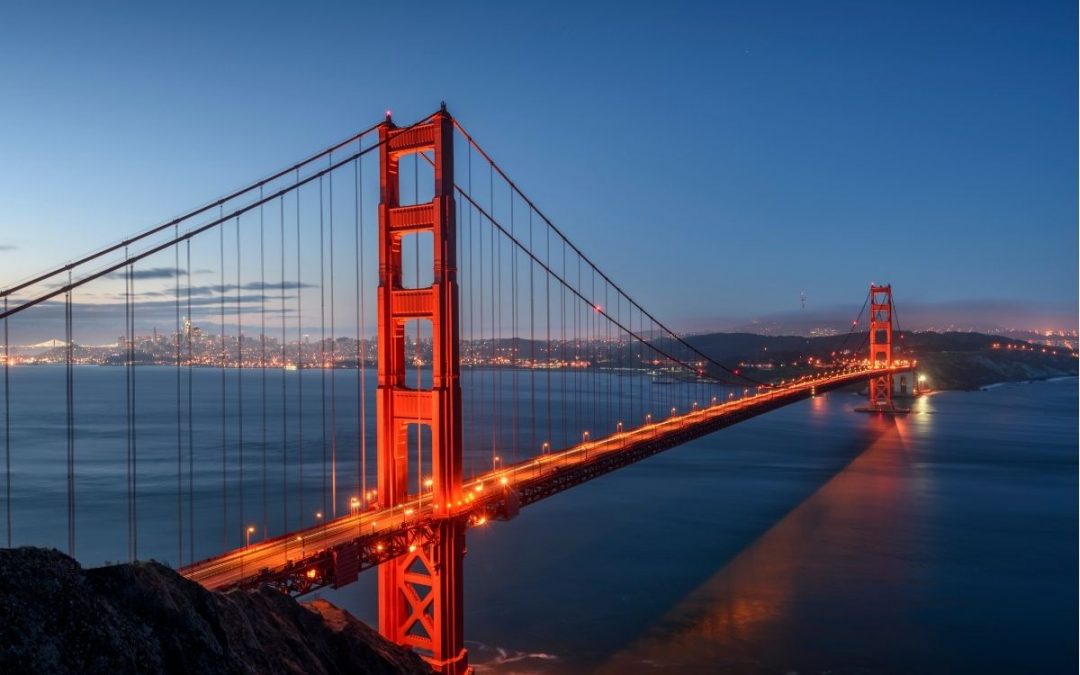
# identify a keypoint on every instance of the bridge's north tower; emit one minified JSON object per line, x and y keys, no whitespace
{"x":420,"y":593}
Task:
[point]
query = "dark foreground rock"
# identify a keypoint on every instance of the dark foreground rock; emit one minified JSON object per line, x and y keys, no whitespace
{"x":56,"y":617}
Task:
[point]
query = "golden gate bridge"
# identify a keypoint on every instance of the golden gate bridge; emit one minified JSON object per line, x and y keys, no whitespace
{"x":509,"y":368}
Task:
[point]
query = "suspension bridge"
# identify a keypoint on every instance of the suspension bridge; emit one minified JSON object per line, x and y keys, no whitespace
{"x":256,"y":446}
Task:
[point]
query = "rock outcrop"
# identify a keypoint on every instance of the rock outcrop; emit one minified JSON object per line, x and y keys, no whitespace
{"x":56,"y":617}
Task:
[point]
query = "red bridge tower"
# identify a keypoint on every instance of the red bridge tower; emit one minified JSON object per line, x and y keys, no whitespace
{"x":420,"y":593}
{"x":881,"y":351}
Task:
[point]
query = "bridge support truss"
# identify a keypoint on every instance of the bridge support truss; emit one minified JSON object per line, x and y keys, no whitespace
{"x":420,"y":594}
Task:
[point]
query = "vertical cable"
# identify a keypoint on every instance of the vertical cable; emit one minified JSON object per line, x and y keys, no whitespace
{"x":472,"y":306}
{"x":284,"y":380}
{"x":299,"y":364}
{"x":7,"y":423}
{"x":179,"y":411}
{"x":513,"y":337}
{"x":532,"y":346}
{"x":361,"y":331}
{"x":322,"y":338}
{"x":224,"y":365}
{"x":494,"y":334}
{"x":262,"y":352}
{"x":134,"y":437}
{"x":547,"y":326}
{"x":240,"y":381}
{"x":333,"y":362}
{"x":70,"y":385}
{"x":190,"y":416}
{"x":322,"y":343}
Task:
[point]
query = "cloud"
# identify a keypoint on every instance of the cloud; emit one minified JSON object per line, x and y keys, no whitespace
{"x":151,"y":273}
{"x":8,"y":247}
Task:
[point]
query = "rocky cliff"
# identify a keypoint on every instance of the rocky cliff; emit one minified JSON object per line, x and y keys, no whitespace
{"x":56,"y":617}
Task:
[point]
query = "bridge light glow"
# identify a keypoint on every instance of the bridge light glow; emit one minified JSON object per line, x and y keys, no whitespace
{"x":311,"y":573}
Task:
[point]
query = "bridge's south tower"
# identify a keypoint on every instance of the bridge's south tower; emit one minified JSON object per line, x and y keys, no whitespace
{"x":420,"y":593}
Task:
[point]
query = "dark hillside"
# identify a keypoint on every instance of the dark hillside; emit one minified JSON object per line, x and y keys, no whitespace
{"x":56,"y":617}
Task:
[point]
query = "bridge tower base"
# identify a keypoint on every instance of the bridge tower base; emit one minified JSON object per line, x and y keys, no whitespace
{"x":420,"y":593}
{"x":881,"y":354}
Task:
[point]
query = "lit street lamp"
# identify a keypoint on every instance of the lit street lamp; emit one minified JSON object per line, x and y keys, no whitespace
{"x":247,"y":535}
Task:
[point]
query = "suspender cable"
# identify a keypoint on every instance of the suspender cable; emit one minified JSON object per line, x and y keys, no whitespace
{"x":299,"y":365}
{"x":262,"y":357}
{"x":333,"y":360}
{"x":284,"y":356}
{"x":191,"y":214}
{"x":133,"y":532}
{"x":177,"y":336}
{"x":513,"y":340}
{"x":240,"y":382}
{"x":547,"y":343}
{"x":322,"y":347}
{"x":532,"y":347}
{"x":666,"y":353}
{"x":494,"y":339}
{"x":60,"y":289}
{"x":7,"y":424}
{"x":190,"y":413}
{"x":224,"y":355}
{"x":515,"y":188}
{"x":361,"y":389}
{"x":70,"y":385}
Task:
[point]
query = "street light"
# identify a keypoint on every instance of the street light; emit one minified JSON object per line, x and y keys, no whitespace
{"x":545,"y":448}
{"x":247,"y":535}
{"x":648,"y":418}
{"x":354,"y":505}
{"x":618,"y":428}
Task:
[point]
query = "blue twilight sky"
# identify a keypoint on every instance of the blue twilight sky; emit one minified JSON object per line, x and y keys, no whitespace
{"x":717,"y":159}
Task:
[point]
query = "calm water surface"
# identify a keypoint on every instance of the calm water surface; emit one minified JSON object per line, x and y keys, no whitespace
{"x":810,"y":540}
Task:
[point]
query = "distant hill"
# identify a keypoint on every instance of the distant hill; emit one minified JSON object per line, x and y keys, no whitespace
{"x":949,"y":360}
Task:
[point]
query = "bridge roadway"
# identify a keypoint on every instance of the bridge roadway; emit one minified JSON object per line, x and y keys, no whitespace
{"x":332,"y":553}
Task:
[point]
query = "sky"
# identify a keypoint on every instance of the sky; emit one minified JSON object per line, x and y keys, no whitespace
{"x":718,"y":160}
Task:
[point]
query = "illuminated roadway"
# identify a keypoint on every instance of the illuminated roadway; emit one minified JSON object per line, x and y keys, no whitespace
{"x":487,"y":495}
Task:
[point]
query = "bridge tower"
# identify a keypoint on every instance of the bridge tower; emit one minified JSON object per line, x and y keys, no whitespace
{"x":881,"y":386}
{"x":420,"y":593}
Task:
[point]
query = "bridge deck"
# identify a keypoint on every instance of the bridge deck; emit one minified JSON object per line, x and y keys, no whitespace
{"x":334,"y":552}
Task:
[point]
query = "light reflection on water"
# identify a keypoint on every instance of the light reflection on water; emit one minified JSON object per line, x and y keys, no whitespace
{"x":809,"y":540}
{"x":736,"y":620}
